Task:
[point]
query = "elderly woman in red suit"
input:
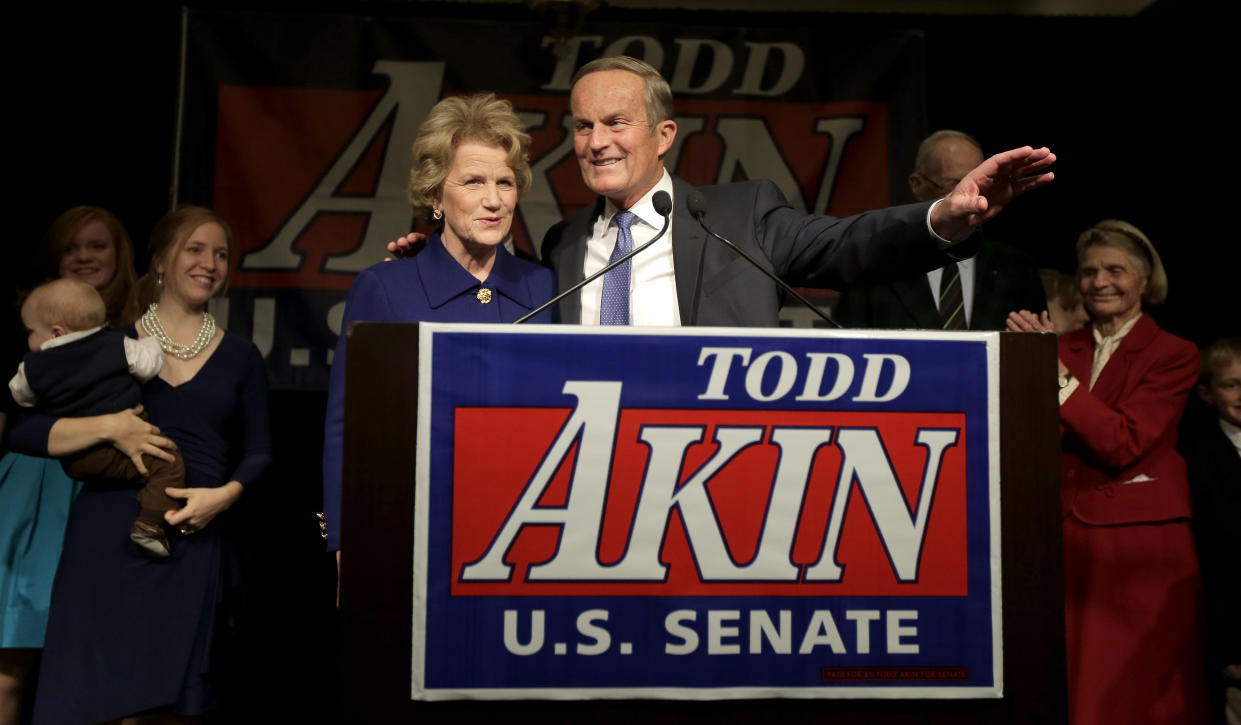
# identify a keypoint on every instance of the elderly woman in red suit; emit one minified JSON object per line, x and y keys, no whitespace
{"x":1131,"y":575}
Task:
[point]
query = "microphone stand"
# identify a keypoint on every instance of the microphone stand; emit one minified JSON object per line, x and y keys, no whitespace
{"x":698,"y":207}
{"x":596,"y":275}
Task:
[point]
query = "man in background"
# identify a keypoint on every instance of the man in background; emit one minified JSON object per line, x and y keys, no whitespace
{"x":975,"y":293}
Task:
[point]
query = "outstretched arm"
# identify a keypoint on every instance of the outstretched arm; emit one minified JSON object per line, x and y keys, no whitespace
{"x":986,"y":190}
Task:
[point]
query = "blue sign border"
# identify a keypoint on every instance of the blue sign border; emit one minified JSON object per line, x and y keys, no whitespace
{"x":457,"y":648}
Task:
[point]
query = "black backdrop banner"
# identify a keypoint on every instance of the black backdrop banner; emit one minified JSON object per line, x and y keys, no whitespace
{"x":297,"y":129}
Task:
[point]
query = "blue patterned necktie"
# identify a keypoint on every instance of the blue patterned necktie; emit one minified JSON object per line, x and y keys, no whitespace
{"x":614,"y":309}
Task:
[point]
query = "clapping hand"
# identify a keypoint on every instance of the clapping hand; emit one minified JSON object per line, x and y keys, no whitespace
{"x":1027,"y":321}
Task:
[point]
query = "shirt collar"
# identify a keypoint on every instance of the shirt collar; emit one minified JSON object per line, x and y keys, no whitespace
{"x":1117,"y":336}
{"x":69,"y":337}
{"x":1233,"y":432}
{"x":643,"y":208}
{"x":443,"y":278}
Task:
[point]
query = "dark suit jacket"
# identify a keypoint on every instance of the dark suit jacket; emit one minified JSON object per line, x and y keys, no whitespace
{"x":1215,"y":487}
{"x":717,"y":287}
{"x":1120,"y":463}
{"x":1004,"y":280}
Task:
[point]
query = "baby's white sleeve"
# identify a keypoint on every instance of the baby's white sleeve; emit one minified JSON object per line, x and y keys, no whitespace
{"x":20,"y":388}
{"x":144,"y":356}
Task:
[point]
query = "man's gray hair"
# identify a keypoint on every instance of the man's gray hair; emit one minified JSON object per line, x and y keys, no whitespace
{"x":658,"y":92}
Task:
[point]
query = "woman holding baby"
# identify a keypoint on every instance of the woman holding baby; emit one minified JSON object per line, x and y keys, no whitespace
{"x":148,"y":625}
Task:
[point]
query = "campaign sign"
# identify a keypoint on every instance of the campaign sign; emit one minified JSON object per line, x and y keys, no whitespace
{"x":728,"y":513}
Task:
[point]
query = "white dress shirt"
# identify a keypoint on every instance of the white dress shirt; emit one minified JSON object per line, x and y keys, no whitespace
{"x":1232,"y":432}
{"x":965,"y":267}
{"x":652,"y":282}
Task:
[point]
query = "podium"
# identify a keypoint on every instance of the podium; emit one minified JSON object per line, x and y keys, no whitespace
{"x":777,"y":549}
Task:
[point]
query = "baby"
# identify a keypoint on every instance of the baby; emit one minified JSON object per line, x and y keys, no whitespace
{"x":78,"y":368}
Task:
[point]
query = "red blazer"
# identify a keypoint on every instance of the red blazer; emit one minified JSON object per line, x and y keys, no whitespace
{"x":1120,"y":463}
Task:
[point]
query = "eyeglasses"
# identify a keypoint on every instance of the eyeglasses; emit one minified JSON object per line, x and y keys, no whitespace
{"x":941,"y":188}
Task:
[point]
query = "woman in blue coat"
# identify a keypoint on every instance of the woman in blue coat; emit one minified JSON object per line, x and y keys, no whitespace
{"x":470,"y":166}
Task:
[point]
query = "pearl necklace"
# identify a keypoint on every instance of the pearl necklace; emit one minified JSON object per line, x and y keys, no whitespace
{"x":155,"y":328}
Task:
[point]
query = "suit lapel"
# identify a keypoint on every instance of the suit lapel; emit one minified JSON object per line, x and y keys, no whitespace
{"x":688,"y":239}
{"x":1077,"y":349}
{"x":1112,"y":378}
{"x":570,"y":256}
{"x":915,"y":295}
{"x":987,"y":281}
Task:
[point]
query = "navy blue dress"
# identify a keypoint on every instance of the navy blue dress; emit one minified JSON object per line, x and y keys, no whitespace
{"x":128,"y":633}
{"x":430,"y":287}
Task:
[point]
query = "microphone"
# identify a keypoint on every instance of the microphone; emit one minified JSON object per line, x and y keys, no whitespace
{"x":662,"y":203}
{"x":663,"y":206}
{"x":697,"y":205}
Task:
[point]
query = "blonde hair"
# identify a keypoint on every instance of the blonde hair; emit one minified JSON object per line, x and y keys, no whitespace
{"x":1222,"y":352}
{"x":68,"y":302}
{"x":116,"y":291}
{"x":658,"y":93}
{"x":1130,"y":240}
{"x":1060,"y":287}
{"x":171,"y":233}
{"x":458,"y":120}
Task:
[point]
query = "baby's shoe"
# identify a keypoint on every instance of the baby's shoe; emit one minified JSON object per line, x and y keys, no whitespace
{"x":151,"y":538}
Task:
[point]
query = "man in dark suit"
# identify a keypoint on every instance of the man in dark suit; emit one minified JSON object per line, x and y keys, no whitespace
{"x":975,"y":293}
{"x":623,"y":119}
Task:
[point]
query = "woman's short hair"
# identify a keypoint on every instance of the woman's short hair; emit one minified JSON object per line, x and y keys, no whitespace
{"x":60,"y":235}
{"x":168,"y":237}
{"x":658,"y":92}
{"x":1130,"y":240}
{"x":457,"y":120}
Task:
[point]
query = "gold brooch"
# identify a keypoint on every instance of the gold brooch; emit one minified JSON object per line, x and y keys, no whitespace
{"x":484,"y":295}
